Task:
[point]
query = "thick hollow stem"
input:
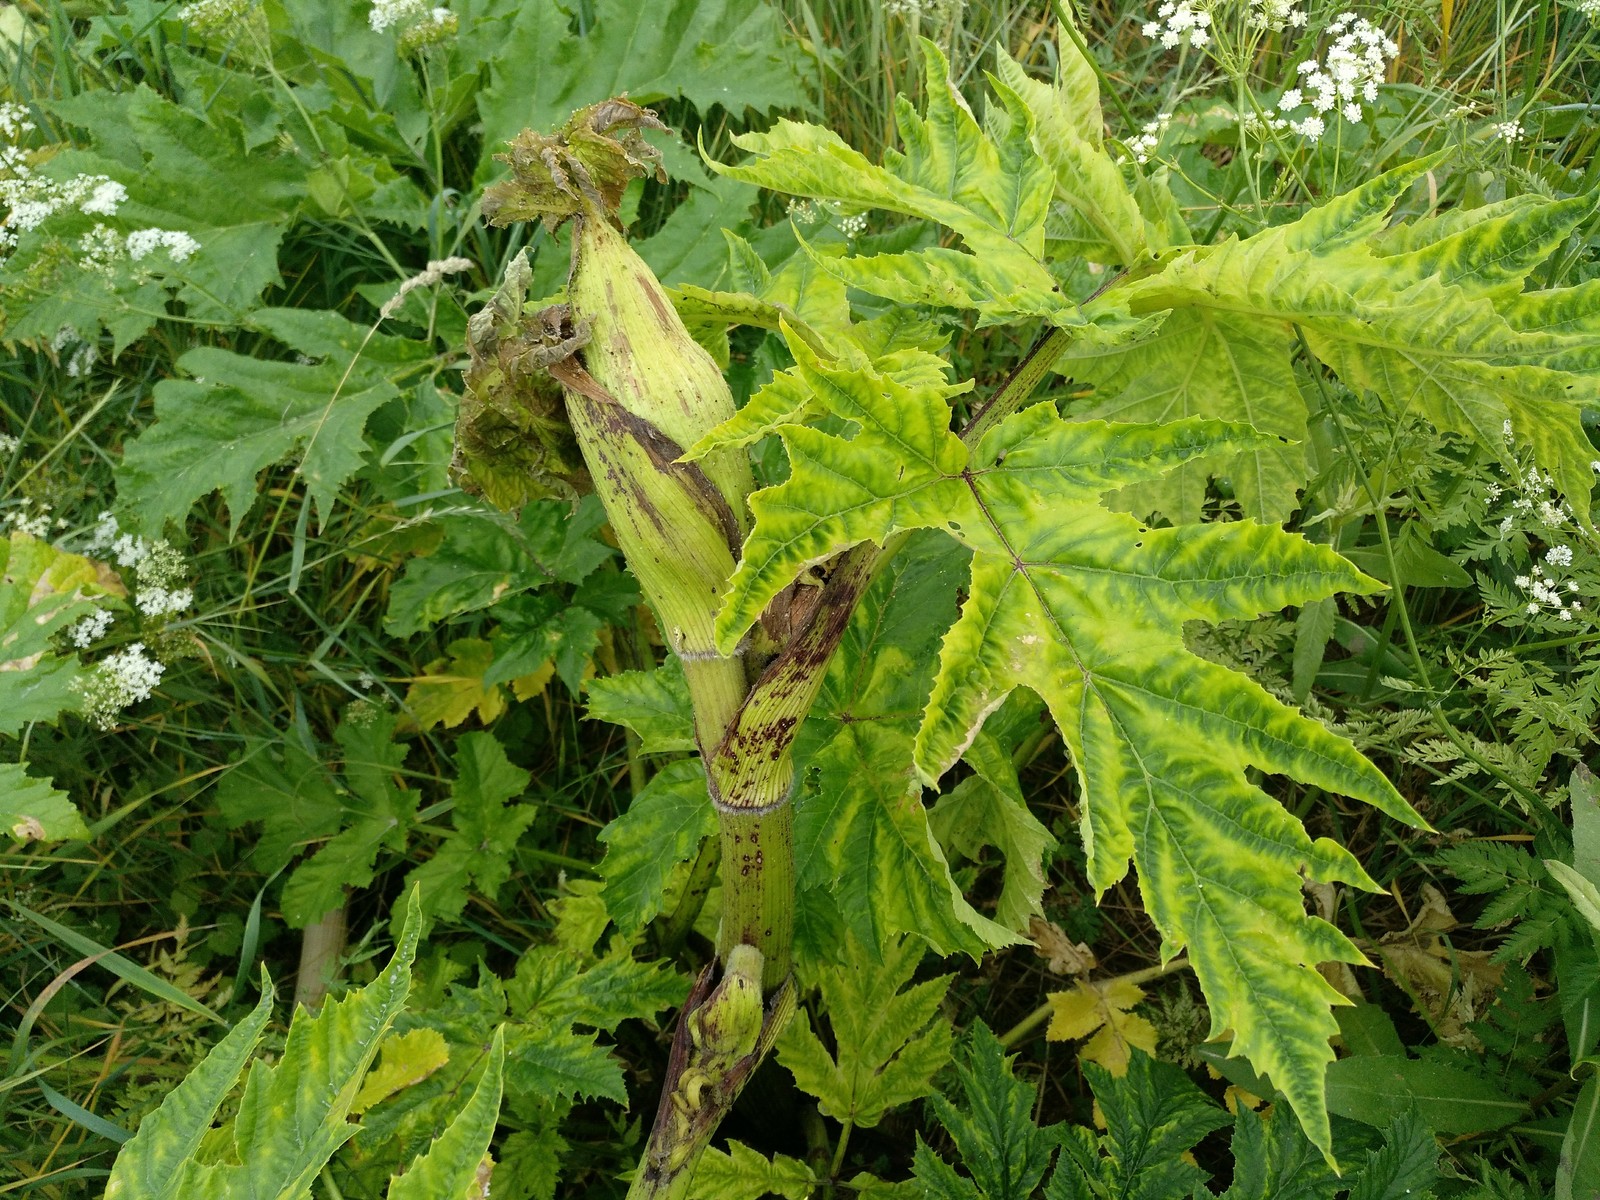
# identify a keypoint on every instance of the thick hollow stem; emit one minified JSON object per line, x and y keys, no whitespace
{"x":321,"y":944}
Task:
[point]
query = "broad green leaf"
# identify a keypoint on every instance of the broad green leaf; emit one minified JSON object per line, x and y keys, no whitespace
{"x":988,"y":809}
{"x":33,"y":811}
{"x":283,"y":786}
{"x":865,"y":836}
{"x":888,"y":1043}
{"x":551,"y":986}
{"x":1086,"y":608}
{"x":293,"y":1114}
{"x":451,"y":689}
{"x":1578,"y":1168}
{"x":1153,"y":1116}
{"x":248,"y":414}
{"x":654,"y":704}
{"x":1451,"y":1100}
{"x":379,"y":814}
{"x":985,"y":182}
{"x":743,"y":1174}
{"x":663,"y":827}
{"x":1002,"y":1149}
{"x":457,"y":1163}
{"x":477,"y":854}
{"x":728,"y":53}
{"x":1206,"y":363}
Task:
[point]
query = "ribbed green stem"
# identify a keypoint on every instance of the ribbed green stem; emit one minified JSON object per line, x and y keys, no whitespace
{"x":758,"y":887}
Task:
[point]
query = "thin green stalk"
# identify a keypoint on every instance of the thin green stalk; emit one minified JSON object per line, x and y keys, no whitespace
{"x":702,"y":874}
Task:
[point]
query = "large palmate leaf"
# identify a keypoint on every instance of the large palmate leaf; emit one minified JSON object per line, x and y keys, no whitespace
{"x":1427,"y":317}
{"x":1086,"y":607}
{"x":292,"y":1115}
{"x":732,"y":53}
{"x":985,"y":182}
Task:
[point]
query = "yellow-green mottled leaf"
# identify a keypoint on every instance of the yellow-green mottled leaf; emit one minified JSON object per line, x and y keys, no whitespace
{"x":404,"y":1059}
{"x":743,"y":1174}
{"x":457,"y":1163}
{"x":293,"y":1114}
{"x":33,"y":811}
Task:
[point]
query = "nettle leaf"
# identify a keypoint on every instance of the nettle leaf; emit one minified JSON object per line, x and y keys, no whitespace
{"x":889,"y":1043}
{"x":33,"y":811}
{"x":1086,"y":607}
{"x":663,"y":827}
{"x":292,"y":1116}
{"x":477,"y":854}
{"x":1153,"y":1116}
{"x":985,"y":182}
{"x":1426,"y":317}
{"x":1004,"y":1151}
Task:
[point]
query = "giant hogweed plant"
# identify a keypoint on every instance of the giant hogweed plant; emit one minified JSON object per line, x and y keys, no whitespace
{"x":910,"y":501}
{"x":1065,"y":594}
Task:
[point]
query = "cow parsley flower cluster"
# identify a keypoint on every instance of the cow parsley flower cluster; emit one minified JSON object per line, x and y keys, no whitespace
{"x":30,"y":199}
{"x":91,"y":629}
{"x":1546,"y":593}
{"x":417,"y":23}
{"x":1275,"y":15}
{"x":1149,"y":137}
{"x":1346,"y":78}
{"x":1590,"y":10}
{"x":1180,"y":22}
{"x":216,"y":16}
{"x":1511,"y":132}
{"x":158,"y":567}
{"x":33,"y":519}
{"x":8,"y":444}
{"x":118,"y":681}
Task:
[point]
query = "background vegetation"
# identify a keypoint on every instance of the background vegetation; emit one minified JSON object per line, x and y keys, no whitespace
{"x":230,"y":393}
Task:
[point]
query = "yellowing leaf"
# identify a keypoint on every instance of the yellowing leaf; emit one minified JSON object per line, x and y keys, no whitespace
{"x":406,"y":1059}
{"x":451,"y":689}
{"x":1102,"y":1009}
{"x":526,"y":687}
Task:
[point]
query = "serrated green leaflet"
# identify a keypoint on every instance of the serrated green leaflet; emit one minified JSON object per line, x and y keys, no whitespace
{"x":740,"y":1173}
{"x":888,"y":1043}
{"x":985,"y":182}
{"x":293,"y":1114}
{"x":457,"y":1163}
{"x":999,"y":1144}
{"x":1415,"y":317}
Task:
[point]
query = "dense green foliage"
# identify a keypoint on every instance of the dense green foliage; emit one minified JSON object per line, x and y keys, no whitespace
{"x":1216,"y":486}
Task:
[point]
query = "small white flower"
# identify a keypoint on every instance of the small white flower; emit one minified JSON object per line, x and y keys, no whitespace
{"x":1559,"y":556}
{"x":1290,"y":100}
{"x":1510,"y":132}
{"x":118,"y":681}
{"x":8,"y":444}
{"x":91,"y":629}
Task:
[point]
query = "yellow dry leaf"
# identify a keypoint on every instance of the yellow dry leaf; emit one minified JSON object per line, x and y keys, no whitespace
{"x":407,"y":1059}
{"x":1102,"y":1009}
{"x":1455,"y":986}
{"x":451,"y":689}
{"x":1235,"y":1097}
